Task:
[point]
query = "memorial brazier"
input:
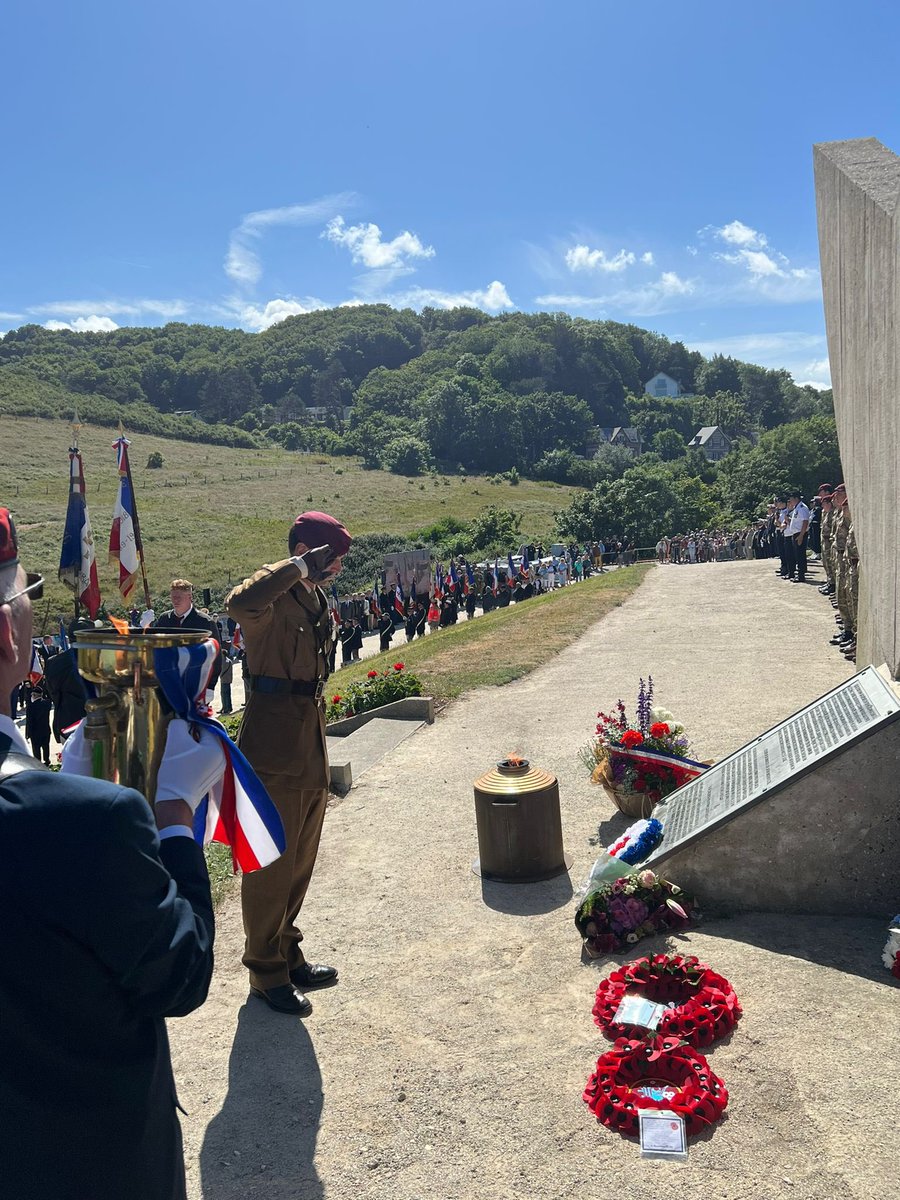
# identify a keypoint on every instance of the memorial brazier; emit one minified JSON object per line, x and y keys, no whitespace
{"x":804,"y":819}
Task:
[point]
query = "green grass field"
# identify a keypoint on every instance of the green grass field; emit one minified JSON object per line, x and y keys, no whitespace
{"x":214,"y":514}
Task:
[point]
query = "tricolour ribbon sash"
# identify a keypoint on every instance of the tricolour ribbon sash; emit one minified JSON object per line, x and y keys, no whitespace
{"x":238,"y":811}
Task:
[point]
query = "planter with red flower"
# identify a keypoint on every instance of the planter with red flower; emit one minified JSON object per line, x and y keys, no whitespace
{"x":700,"y":1005}
{"x":378,"y":689}
{"x":640,"y":762}
{"x":658,"y":1073}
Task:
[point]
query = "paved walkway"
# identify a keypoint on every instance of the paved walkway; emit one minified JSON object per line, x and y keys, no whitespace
{"x":450,"y":1060}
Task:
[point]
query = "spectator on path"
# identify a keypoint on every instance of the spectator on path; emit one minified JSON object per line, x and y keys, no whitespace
{"x":346,"y":635}
{"x":47,"y":650}
{"x":37,"y":724}
{"x":434,"y":616}
{"x":225,"y":675}
{"x":410,"y":623}
{"x":385,"y":630}
{"x":356,"y":642}
{"x":795,"y":536}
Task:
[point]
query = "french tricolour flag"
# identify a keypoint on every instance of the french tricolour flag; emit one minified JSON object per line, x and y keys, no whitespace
{"x":77,"y":561}
{"x":123,"y":548}
{"x":238,"y":811}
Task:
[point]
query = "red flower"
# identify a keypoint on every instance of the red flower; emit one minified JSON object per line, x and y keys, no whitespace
{"x":336,"y":699}
{"x":398,"y":666}
{"x":632,"y":738}
{"x":659,"y":730}
{"x":372,"y":675}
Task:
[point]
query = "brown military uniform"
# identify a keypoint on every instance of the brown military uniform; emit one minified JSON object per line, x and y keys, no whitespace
{"x":287,"y":637}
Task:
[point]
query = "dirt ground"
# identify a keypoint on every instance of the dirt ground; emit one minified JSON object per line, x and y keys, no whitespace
{"x":450,"y":1060}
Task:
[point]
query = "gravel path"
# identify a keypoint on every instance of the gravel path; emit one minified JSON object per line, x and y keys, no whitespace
{"x":450,"y":1060}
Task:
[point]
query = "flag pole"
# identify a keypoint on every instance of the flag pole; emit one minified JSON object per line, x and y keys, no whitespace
{"x":76,"y":427}
{"x":138,"y":543}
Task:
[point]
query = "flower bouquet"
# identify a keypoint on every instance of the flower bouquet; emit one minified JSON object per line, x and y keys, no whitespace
{"x":625,"y":853}
{"x":642,"y":761}
{"x":615,"y":915}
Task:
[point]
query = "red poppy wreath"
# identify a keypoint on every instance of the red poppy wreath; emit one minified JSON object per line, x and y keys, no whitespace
{"x":701,"y":1005}
{"x":659,"y":1074}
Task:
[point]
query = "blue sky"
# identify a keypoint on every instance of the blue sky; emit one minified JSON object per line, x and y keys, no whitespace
{"x":233,"y":163}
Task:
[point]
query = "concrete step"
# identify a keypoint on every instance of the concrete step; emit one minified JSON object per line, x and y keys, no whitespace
{"x":354,"y":753}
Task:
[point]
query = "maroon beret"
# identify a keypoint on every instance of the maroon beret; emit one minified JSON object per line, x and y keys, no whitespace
{"x":9,"y":546}
{"x":318,"y":529}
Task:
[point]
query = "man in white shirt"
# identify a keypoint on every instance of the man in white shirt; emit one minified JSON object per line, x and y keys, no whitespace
{"x":795,"y":535}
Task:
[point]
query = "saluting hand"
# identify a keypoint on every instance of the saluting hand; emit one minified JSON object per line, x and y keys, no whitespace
{"x":315,"y":564}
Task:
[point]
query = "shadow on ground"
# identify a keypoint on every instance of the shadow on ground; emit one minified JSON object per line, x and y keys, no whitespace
{"x":275,"y":1086}
{"x":851,"y":945}
{"x":528,"y":899}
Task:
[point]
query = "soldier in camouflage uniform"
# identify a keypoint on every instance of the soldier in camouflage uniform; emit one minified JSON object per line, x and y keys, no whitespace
{"x":842,"y":567}
{"x":852,"y":555}
{"x":826,"y":496}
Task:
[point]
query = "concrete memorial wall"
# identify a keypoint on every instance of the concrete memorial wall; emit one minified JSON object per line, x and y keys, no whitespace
{"x":803,"y":819}
{"x":857,"y":193}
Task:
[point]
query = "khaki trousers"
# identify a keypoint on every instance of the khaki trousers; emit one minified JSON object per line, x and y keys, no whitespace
{"x":271,"y":898}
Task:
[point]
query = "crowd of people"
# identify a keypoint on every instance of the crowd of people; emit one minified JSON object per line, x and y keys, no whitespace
{"x":462,"y":588}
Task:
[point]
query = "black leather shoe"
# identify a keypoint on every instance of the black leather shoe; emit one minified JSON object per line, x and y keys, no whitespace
{"x":284,"y":999}
{"x":313,"y":975}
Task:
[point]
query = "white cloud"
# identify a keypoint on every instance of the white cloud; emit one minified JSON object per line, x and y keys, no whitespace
{"x":692,"y":251}
{"x":111,"y":308}
{"x":582,"y":258}
{"x":736,"y":233}
{"x":10,"y":316}
{"x":256,"y":318}
{"x":91,"y":324}
{"x":367,"y":246}
{"x":647,"y":258}
{"x":493,"y":298}
{"x":648,"y":300}
{"x":242,"y":262}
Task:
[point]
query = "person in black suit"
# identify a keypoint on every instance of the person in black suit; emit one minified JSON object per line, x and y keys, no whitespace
{"x":107,"y":929}
{"x":37,"y":724}
{"x":183,"y":615}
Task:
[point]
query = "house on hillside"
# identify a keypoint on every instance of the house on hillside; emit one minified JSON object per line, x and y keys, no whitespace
{"x":627,"y":436}
{"x":712,"y":440}
{"x":663,"y":385}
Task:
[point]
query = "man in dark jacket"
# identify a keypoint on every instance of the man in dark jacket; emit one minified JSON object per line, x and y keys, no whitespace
{"x":37,"y":724}
{"x":385,"y":630}
{"x":98,"y":895}
{"x":66,"y":689}
{"x":183,"y":615}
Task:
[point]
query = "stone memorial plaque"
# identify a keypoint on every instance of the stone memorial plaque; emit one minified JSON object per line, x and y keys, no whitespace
{"x":798,"y":745}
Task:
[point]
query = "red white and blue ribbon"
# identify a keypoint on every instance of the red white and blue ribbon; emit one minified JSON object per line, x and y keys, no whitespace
{"x":238,"y":811}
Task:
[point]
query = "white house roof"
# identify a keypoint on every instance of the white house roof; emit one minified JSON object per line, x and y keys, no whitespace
{"x":662,"y":375}
{"x":702,"y":436}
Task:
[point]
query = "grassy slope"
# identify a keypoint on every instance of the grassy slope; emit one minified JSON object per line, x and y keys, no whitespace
{"x":505,"y":644}
{"x":215,"y":514}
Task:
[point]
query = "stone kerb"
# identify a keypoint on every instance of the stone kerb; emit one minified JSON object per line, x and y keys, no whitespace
{"x":857,"y":192}
{"x":410,"y":708}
